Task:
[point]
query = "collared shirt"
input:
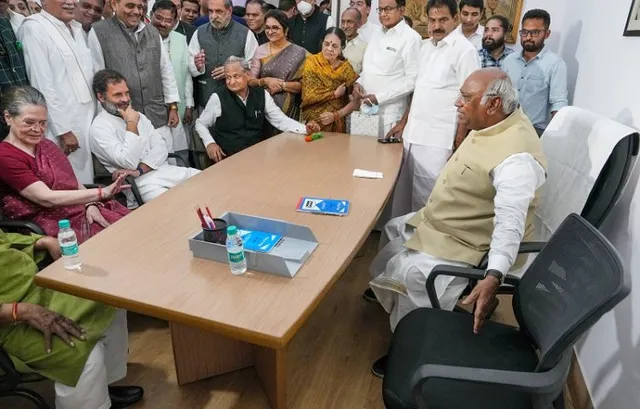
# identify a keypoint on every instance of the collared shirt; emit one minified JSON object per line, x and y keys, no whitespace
{"x":116,"y":148}
{"x":541,"y":83}
{"x":188,"y":85}
{"x":476,"y":37}
{"x":443,"y":69}
{"x":354,"y":52}
{"x":169,"y":86}
{"x":272,"y":113}
{"x":365,"y":32}
{"x":487,"y":60}
{"x":390,"y":66}
{"x":250,"y":46}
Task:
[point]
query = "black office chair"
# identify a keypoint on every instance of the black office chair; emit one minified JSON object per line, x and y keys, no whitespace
{"x":436,"y":362}
{"x":10,"y":379}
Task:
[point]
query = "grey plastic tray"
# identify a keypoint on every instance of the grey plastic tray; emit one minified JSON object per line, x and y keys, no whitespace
{"x":285,"y":259}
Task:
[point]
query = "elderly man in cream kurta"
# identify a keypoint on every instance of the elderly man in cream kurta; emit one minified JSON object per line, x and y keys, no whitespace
{"x":483,"y":201}
{"x":59,"y":65}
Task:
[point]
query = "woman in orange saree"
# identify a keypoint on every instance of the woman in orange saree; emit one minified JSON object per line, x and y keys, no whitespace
{"x":326,"y":76}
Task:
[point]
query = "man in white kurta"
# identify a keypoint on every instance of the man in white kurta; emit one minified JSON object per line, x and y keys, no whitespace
{"x":59,"y":65}
{"x":390,"y":66}
{"x":484,"y":201}
{"x":125,"y":141}
{"x":446,"y":60}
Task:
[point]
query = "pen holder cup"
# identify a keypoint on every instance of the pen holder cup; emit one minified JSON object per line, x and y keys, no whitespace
{"x":217,"y":235}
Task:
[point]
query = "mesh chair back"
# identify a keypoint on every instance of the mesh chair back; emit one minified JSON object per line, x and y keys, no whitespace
{"x":576,"y":279}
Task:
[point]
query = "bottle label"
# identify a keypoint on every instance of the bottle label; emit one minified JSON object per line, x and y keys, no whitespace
{"x":69,"y":250}
{"x":236,"y":257}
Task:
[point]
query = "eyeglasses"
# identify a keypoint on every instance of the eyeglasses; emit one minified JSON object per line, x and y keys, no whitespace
{"x":386,"y":9}
{"x":532,"y":33}
{"x":272,"y":28}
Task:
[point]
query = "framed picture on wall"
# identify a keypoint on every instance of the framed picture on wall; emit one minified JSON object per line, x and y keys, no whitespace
{"x":632,"y":28}
{"x":511,"y":9}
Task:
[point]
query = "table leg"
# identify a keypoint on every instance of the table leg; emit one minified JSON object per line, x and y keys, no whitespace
{"x":200,"y":354}
{"x":270,"y":365}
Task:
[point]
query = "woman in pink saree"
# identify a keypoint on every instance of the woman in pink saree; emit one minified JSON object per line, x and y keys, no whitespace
{"x":37,"y":182}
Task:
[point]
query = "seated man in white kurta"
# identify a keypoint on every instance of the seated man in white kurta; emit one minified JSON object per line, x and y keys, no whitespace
{"x":125,"y":141}
{"x":483,"y":201}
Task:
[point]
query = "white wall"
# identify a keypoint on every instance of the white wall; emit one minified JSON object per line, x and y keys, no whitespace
{"x":603,"y":69}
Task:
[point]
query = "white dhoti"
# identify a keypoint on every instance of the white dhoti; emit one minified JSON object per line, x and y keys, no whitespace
{"x":421,"y":166}
{"x":155,"y":183}
{"x":107,"y":363}
{"x":400,"y":274}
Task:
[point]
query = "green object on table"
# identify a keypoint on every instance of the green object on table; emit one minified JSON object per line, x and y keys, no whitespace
{"x":313,"y":136}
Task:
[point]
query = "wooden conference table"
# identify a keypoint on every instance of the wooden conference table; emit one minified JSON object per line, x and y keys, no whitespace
{"x":220,"y":322}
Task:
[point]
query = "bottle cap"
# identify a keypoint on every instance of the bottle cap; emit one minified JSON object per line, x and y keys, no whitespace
{"x":64,"y":224}
{"x":231,"y":230}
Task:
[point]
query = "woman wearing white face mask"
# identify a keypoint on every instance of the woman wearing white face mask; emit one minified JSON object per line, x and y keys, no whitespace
{"x":308,"y":27}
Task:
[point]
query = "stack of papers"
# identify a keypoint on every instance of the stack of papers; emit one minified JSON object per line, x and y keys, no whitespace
{"x":259,"y":241}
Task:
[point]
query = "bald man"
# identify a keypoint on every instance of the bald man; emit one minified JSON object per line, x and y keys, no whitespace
{"x":483,"y":201}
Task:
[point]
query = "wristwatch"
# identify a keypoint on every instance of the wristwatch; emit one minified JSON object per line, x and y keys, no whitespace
{"x":173,"y":106}
{"x":495,"y":273}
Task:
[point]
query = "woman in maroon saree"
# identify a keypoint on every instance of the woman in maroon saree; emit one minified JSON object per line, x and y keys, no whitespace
{"x":37,"y":182}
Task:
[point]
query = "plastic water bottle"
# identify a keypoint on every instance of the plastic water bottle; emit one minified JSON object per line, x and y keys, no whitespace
{"x":68,"y":246}
{"x":235,"y":252}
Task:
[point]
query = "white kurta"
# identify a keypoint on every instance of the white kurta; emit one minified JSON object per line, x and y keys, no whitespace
{"x":59,"y":65}
{"x":399,"y":274}
{"x":116,"y":148}
{"x":430,"y":131}
{"x":389,"y":70}
{"x":180,"y":133}
{"x":476,"y":37}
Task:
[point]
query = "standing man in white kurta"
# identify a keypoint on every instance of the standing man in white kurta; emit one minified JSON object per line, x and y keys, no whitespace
{"x":446,"y":60}
{"x":59,"y":65}
{"x":390,"y":65}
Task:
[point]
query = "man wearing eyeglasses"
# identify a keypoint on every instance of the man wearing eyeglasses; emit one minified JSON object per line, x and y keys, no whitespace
{"x":539,"y":74}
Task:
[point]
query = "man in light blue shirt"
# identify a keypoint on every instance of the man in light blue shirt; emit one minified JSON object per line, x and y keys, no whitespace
{"x":539,"y":74}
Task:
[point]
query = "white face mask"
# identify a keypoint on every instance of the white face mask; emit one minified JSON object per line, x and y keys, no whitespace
{"x":304,"y":7}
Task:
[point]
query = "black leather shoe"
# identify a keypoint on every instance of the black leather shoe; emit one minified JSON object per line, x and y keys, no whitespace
{"x":124,"y":396}
{"x":370,"y":296}
{"x":379,"y":367}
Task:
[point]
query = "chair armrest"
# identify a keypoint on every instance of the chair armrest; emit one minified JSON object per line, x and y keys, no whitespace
{"x":15,"y":225}
{"x":92,"y":185}
{"x":134,"y":189}
{"x":447,"y":270}
{"x":179,"y":159}
{"x":538,"y":383}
